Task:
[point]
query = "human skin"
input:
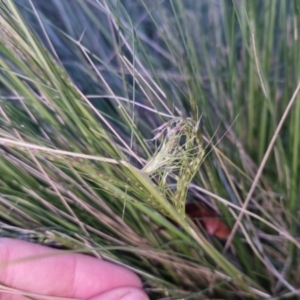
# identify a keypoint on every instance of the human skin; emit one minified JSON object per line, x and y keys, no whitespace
{"x":40,"y":270}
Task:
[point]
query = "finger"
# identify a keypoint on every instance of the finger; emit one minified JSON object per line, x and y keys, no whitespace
{"x":64,"y":275}
{"x":123,"y":293}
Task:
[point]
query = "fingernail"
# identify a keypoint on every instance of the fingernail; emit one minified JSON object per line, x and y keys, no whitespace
{"x":135,"y":295}
{"x":124,"y":293}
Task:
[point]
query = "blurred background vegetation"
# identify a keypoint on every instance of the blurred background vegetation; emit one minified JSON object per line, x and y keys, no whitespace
{"x":114,"y":113}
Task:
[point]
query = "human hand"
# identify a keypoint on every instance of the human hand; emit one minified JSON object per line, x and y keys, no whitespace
{"x":64,"y":275}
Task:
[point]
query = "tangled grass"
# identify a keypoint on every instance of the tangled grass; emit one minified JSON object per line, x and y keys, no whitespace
{"x":102,"y":144}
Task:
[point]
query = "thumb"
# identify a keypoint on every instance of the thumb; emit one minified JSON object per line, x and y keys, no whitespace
{"x":123,"y":293}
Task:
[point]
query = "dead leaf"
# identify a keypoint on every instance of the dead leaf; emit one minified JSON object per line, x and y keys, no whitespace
{"x":208,"y":218}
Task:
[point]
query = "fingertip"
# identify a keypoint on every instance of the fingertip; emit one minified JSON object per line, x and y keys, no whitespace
{"x":80,"y":276}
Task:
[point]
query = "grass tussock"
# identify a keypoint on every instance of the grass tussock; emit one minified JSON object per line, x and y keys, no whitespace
{"x":115,"y":114}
